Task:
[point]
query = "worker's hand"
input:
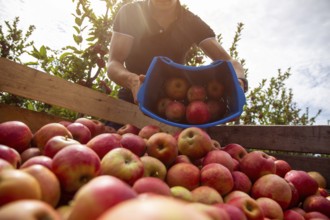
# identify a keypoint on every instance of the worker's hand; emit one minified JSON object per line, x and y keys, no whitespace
{"x":136,"y":84}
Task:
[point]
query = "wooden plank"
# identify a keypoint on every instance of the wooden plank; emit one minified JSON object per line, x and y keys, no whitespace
{"x":307,"y":139}
{"x":33,"y":119}
{"x":31,"y":83}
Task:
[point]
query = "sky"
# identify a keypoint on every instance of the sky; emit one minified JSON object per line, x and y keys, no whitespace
{"x":277,"y":35}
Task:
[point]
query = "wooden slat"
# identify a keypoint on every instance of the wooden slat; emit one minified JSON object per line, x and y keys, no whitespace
{"x":307,"y":139}
{"x":31,"y":83}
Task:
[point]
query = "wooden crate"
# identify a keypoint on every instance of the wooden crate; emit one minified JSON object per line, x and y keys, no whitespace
{"x":296,"y":144}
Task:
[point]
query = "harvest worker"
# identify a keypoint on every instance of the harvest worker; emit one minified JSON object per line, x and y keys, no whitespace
{"x":149,"y":28}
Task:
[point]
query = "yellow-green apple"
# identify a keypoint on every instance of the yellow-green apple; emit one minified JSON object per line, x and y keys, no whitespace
{"x":28,"y":209}
{"x":89,"y":124}
{"x":215,"y":89}
{"x":213,"y":212}
{"x":46,"y":132}
{"x":182,"y":193}
{"x":218,"y":177}
{"x":100,"y":194}
{"x":163,"y":146}
{"x":270,"y":208}
{"x":233,"y":212}
{"x":74,"y":166}
{"x":17,"y":184}
{"x":128,"y":128}
{"x":56,"y":143}
{"x":123,"y":164}
{"x":320,"y":179}
{"x":161,"y":105}
{"x":206,"y":195}
{"x":317,"y":203}
{"x":147,"y":131}
{"x":181,"y":158}
{"x":249,"y":206}
{"x":197,"y":112}
{"x":256,"y":164}
{"x":151,"y":185}
{"x":29,"y":153}
{"x":194,"y":142}
{"x":80,"y":132}
{"x":183,"y":174}
{"x":103,"y":143}
{"x":196,"y":93}
{"x":274,"y":187}
{"x":219,"y":156}
{"x":41,"y":160}
{"x":49,"y":184}
{"x":282,"y":167}
{"x":241,"y":181}
{"x":176,"y":88}
{"x":10,"y":155}
{"x":290,"y":214}
{"x":153,"y":167}
{"x":234,"y":194}
{"x":175,"y":111}
{"x":236,"y":151}
{"x":15,"y":134}
{"x":4,"y":164}
{"x":303,"y":182}
{"x":134,"y":143}
{"x":217,"y":109}
{"x":153,"y":207}
{"x":315,"y":215}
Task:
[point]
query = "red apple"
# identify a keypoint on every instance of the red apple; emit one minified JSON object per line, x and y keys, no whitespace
{"x":315,"y":216}
{"x":10,"y":155}
{"x":317,"y":203}
{"x":182,"y":193}
{"x":147,"y":131}
{"x":210,"y":210}
{"x":236,"y":151}
{"x":163,"y":146}
{"x":196,"y":93}
{"x":217,"y":109}
{"x":221,"y":157}
{"x":48,"y":131}
{"x":183,"y":174}
{"x":197,"y":112}
{"x":134,"y":143}
{"x":15,"y":134}
{"x":161,"y":105}
{"x":270,"y":208}
{"x":256,"y":164}
{"x":215,"y":89}
{"x":103,"y":143}
{"x":65,"y":122}
{"x":182,"y":159}
{"x":74,"y":166}
{"x":175,"y":111}
{"x":249,"y":206}
{"x":102,"y":193}
{"x":49,"y":184}
{"x":99,"y":127}
{"x":89,"y":123}
{"x":319,"y":178}
{"x":206,"y":195}
{"x":153,"y":167}
{"x":303,"y":182}
{"x":241,"y":181}
{"x":128,"y":128}
{"x":29,"y":153}
{"x":194,"y":142}
{"x":123,"y":164}
{"x":295,"y":200}
{"x":56,"y":143}
{"x":4,"y":164}
{"x":218,"y":177}
{"x":80,"y":132}
{"x":176,"y":88}
{"x":234,"y":212}
{"x":322,"y":192}
{"x":282,"y":167}
{"x":16,"y":185}
{"x":151,"y":185}
{"x":274,"y":187}
{"x":41,"y":160}
{"x":234,"y":194}
{"x":290,"y":214}
{"x":28,"y":209}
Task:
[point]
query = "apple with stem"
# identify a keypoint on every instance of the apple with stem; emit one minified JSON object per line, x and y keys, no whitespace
{"x":56,"y":143}
{"x":153,"y":167}
{"x":176,"y":88}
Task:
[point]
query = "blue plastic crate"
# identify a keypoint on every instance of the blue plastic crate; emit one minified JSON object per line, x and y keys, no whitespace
{"x":161,"y":68}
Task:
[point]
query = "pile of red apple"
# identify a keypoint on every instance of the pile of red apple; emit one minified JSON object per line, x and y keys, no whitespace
{"x":87,"y":170}
{"x":184,"y":102}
